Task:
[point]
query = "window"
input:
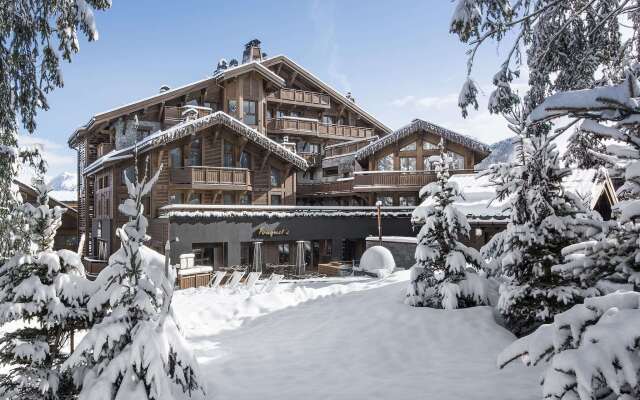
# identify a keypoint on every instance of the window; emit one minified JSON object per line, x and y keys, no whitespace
{"x":195,"y":153}
{"x":333,"y":171}
{"x":283,"y":253}
{"x":407,"y":163}
{"x":281,"y":114}
{"x":268,"y":113}
{"x":228,"y":199}
{"x":211,"y":254}
{"x":245,"y":160}
{"x":386,"y":163}
{"x":409,"y":147}
{"x":99,"y":229}
{"x":407,"y":201}
{"x":328,"y":119}
{"x":175,"y":198}
{"x":457,"y":160}
{"x":295,"y":114}
{"x":195,"y":198}
{"x":385,"y":200}
{"x":249,"y":116}
{"x":246,"y":253}
{"x":429,"y":146}
{"x":130,"y":173}
{"x":276,"y":178}
{"x":306,"y":147}
{"x":142,"y":132}
{"x":245,"y":199}
{"x":175,"y":157}
{"x":276,"y":199}
{"x":233,"y":107}
{"x":429,"y":165}
{"x":229,"y":159}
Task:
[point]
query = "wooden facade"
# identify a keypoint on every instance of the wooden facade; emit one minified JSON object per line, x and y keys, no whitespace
{"x":264,"y":133}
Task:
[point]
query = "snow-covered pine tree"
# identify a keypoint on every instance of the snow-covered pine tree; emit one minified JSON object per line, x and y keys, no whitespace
{"x":34,"y":36}
{"x":43,"y":292}
{"x":591,"y":351}
{"x":134,"y":350}
{"x":446,"y":270}
{"x":610,"y":113}
{"x":544,"y":219}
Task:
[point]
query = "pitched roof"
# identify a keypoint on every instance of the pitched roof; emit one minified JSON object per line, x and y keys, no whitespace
{"x":32,"y":191}
{"x":192,"y":126}
{"x":420,"y":125}
{"x":330,"y":90}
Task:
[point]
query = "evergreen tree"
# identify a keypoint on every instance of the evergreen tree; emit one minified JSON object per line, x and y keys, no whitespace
{"x":43,"y":291}
{"x":34,"y":37}
{"x":445,"y":274}
{"x":134,"y":349}
{"x":543,"y":220}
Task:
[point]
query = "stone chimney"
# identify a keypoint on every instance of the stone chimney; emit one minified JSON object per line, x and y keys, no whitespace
{"x":252,"y":52}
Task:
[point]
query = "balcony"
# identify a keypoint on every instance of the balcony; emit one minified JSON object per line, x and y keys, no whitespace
{"x":212,"y":178}
{"x":311,"y":127}
{"x":300,"y":98}
{"x":380,"y":181}
{"x":322,"y":188}
{"x":173,"y":115}
{"x":345,"y":148}
{"x":313,"y":159}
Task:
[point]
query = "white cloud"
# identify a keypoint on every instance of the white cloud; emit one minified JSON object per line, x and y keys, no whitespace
{"x":58,"y":156}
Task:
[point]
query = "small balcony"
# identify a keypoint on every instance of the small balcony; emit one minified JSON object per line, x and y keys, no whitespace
{"x":300,"y":98}
{"x":173,"y":115}
{"x":212,"y":178}
{"x":381,"y":181}
{"x":311,"y":127}
{"x":322,"y":188}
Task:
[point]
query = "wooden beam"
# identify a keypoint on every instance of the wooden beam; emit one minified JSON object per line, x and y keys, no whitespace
{"x":264,"y":160}
{"x":279,"y":68}
{"x":293,"y":77}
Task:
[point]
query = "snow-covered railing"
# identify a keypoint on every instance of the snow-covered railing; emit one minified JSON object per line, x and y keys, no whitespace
{"x":399,"y":179}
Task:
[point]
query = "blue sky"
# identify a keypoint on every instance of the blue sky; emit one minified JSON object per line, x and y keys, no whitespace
{"x":397,"y":58}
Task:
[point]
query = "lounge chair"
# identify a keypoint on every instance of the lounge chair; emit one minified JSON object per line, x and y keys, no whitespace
{"x":217,"y":277}
{"x":272,"y":283}
{"x":236,"y":277}
{"x":252,"y":278}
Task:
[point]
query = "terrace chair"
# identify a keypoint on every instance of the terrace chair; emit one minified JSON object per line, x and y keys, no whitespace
{"x":236,"y":277}
{"x":217,"y":277}
{"x":252,"y":278}
{"x":272,"y":283}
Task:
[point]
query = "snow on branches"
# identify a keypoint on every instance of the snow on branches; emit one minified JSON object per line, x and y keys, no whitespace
{"x":544,"y":218}
{"x":591,"y":350}
{"x":445,"y":274}
{"x":610,"y":113}
{"x":44,"y":291}
{"x":134,"y":350}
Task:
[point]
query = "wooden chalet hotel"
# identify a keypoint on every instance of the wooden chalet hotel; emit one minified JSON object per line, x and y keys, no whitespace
{"x":262,"y":151}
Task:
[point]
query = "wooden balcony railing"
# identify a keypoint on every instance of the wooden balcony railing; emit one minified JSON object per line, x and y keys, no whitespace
{"x":173,"y":115}
{"x":304,"y":126}
{"x":103,"y":148}
{"x":312,"y":158}
{"x":300,"y":97}
{"x":344,"y":148}
{"x":368,"y":181}
{"x":239,"y":178}
{"x":306,"y":189}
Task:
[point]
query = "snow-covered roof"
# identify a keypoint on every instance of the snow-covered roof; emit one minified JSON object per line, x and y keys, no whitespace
{"x":213,"y":211}
{"x":418,"y":125}
{"x":192,"y":126}
{"x":250,"y":66}
{"x":59,"y":200}
{"x":479,"y":203}
{"x":330,"y":90}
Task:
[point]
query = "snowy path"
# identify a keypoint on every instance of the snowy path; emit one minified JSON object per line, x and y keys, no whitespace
{"x":361,"y":343}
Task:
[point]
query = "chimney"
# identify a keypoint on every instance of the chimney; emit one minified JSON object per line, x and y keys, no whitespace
{"x":252,"y":52}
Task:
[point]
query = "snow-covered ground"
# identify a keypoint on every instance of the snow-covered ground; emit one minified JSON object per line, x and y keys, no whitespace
{"x":347,"y":339}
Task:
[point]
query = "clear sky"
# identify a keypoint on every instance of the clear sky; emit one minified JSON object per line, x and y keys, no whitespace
{"x":397,"y":58}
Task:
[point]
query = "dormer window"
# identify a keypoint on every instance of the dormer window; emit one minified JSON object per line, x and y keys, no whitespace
{"x":429,"y":146}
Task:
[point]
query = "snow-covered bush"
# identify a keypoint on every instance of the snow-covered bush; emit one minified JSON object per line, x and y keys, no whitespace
{"x":543,"y":219}
{"x":445,"y":272}
{"x":378,"y":260}
{"x":592,"y":350}
{"x":45,"y":291}
{"x":134,"y":350}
